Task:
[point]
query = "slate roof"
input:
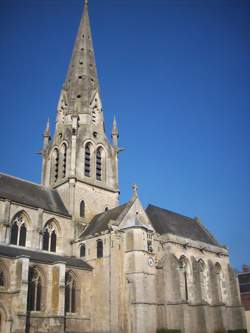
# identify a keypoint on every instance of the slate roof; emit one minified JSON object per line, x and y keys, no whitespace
{"x":244,"y":282}
{"x":167,"y":222}
{"x":100,"y":222}
{"x":25,"y":192}
{"x":41,"y":256}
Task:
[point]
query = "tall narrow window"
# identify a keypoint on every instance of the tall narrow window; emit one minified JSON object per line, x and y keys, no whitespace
{"x":70,"y":293}
{"x":82,"y":250}
{"x":99,"y":248}
{"x":2,"y":277}
{"x":87,"y":160}
{"x":82,"y":209}
{"x":64,"y":160}
{"x":218,"y":273}
{"x":203,"y":280}
{"x":49,"y":237}
{"x":18,"y":230}
{"x":55,"y":165}
{"x":99,"y":166}
{"x":184,"y":278}
{"x":34,"y":290}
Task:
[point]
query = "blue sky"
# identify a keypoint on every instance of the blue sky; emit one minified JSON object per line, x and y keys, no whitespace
{"x":177,"y":75}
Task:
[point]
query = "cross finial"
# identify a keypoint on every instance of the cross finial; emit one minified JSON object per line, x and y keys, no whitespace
{"x":135,"y":189}
{"x":86,"y":2}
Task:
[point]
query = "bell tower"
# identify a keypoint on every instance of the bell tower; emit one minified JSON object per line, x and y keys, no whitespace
{"x":79,"y":161}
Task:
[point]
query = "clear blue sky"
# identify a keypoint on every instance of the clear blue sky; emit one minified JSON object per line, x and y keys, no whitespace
{"x":177,"y":75}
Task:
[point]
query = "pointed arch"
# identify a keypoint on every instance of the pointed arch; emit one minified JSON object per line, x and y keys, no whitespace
{"x":219,"y":281}
{"x":19,"y":226}
{"x":63,"y":159}
{"x":184,"y":268}
{"x":35,"y":289}
{"x":99,"y":248}
{"x":72,"y":292}
{"x":50,"y":236}
{"x":203,"y":274}
{"x":82,"y":250}
{"x":100,"y":164}
{"x":54,"y":165}
{"x":88,"y":159}
{"x":82,"y":208}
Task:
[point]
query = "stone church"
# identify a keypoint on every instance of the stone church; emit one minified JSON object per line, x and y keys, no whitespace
{"x":73,"y":259}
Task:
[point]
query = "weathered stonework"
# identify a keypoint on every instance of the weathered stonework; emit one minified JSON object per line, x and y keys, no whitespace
{"x":73,"y":260}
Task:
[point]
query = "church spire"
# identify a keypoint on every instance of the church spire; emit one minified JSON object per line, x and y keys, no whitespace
{"x":81,"y":85}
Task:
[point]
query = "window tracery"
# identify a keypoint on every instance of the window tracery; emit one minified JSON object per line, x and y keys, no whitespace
{"x":19,"y":230}
{"x":49,"y":237}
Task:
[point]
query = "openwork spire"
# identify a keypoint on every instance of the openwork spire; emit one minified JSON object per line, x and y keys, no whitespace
{"x":81,"y":84}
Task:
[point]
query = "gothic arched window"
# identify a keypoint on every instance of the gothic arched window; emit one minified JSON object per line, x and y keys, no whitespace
{"x":184,"y":277}
{"x":87,"y":160}
{"x":218,"y":272}
{"x":99,"y":164}
{"x":34,"y":290}
{"x":19,"y":230}
{"x":63,"y":162}
{"x":55,"y":165}
{"x":82,"y":250}
{"x":99,"y":248}
{"x":203,"y":279}
{"x":70,"y":293}
{"x":49,"y":237}
{"x":82,"y":209}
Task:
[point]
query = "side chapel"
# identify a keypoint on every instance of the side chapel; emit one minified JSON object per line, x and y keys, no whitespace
{"x":73,"y":259}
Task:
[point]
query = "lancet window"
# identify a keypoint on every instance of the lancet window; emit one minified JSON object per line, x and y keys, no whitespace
{"x":64,"y":160}
{"x":203,"y":280}
{"x":34,"y":290}
{"x":82,"y":209}
{"x":87,"y":160}
{"x":184,"y":277}
{"x":99,"y":164}
{"x":19,"y":230}
{"x":50,"y":237}
{"x":218,"y":272}
{"x":83,"y":250}
{"x":55,"y":165}
{"x":99,"y":248}
{"x":70,"y":293}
